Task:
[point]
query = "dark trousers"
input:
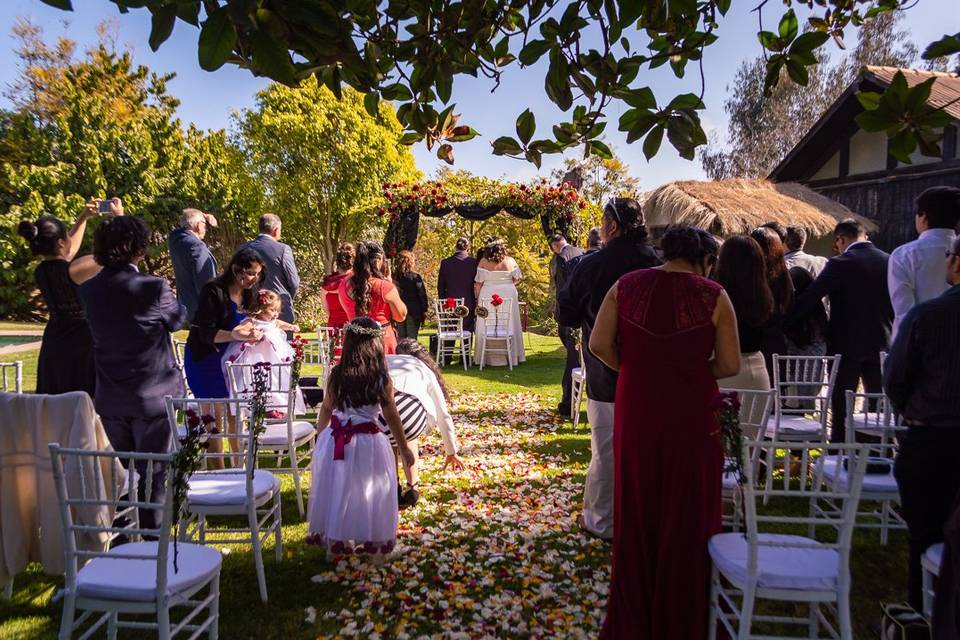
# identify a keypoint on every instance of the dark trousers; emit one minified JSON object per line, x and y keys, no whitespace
{"x":143,"y":435}
{"x":849,"y":374}
{"x":928,"y":478}
{"x":409,"y":328}
{"x":569,"y":340}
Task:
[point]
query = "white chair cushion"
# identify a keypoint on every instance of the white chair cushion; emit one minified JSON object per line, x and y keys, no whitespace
{"x":871,"y":421}
{"x":276,"y":434}
{"x":794,"y":424}
{"x":932,"y":557}
{"x":834,"y":472}
{"x":136,"y":580}
{"x":499,"y":333}
{"x":801,"y":568}
{"x":454,"y":335}
{"x":730,"y":481}
{"x":223,"y":488}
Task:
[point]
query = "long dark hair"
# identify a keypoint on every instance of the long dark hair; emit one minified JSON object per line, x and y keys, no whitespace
{"x":43,"y":235}
{"x":410,"y":347}
{"x":628,"y":214}
{"x":741,"y":270}
{"x":780,"y":285}
{"x":364,"y":268}
{"x":495,"y":250}
{"x":361,"y":378}
{"x":683,"y":242}
{"x":241,"y":260}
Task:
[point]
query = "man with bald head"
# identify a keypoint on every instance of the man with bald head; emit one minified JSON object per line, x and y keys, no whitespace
{"x":282,"y":276}
{"x":193,"y":263}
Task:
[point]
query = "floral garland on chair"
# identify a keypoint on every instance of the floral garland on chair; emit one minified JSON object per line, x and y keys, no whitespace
{"x":258,"y":406}
{"x":299,"y":345}
{"x":186,"y":461}
{"x":727,"y":407}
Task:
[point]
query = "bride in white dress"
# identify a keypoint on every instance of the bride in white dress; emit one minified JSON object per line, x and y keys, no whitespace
{"x":497,"y":275}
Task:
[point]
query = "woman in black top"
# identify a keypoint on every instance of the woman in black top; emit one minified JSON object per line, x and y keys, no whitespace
{"x":66,"y":354}
{"x":741,"y":271}
{"x":774,"y":335}
{"x":413,"y":293}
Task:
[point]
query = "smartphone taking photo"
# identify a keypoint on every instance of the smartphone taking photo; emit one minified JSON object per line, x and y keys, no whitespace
{"x":104,"y":206}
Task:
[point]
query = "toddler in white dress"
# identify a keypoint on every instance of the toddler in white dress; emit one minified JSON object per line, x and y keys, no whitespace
{"x":353,"y":492}
{"x":272,"y":348}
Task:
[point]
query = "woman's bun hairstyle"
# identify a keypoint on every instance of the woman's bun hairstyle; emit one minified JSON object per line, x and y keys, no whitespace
{"x":43,"y":235}
{"x":687,"y":243}
{"x":27,"y":230}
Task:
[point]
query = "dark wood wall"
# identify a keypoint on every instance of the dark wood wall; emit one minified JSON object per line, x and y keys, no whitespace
{"x":889,"y":200}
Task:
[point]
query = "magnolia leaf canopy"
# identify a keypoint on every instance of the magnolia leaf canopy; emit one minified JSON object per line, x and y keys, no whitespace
{"x":589,"y":54}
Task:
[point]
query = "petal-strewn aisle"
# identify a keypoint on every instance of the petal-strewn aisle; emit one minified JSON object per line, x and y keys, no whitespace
{"x":492,"y":553}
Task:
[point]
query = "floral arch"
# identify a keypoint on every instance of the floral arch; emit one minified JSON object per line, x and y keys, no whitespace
{"x":556,"y":206}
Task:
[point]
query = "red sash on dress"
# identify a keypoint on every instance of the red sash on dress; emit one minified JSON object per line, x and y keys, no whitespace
{"x":343,"y":433}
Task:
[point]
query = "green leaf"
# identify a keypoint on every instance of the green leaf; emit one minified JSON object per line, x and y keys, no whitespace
{"x":869,"y":100}
{"x":218,"y":37}
{"x":630,"y":11}
{"x":902,"y":145}
{"x":526,"y":126}
{"x":789,"y":27}
{"x":506,"y":146}
{"x":463,"y":133}
{"x":411,"y":138}
{"x":599,"y":149}
{"x":873,"y":121}
{"x":533,"y":51}
{"x":444,"y":86}
{"x":161,"y":24}
{"x":534,"y":156}
{"x":189,"y":12}
{"x":809,"y":41}
{"x":59,"y":4}
{"x":652,"y":142}
{"x":271,"y":58}
{"x":945,"y":46}
{"x":916,"y":101}
{"x":396,"y":91}
{"x":797,"y":72}
{"x":770,"y":41}
{"x":371,"y":102}
{"x":686,"y":101}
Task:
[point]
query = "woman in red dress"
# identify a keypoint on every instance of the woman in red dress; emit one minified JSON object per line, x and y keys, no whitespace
{"x":369,"y":292}
{"x":671,"y":333}
{"x":343,"y":263}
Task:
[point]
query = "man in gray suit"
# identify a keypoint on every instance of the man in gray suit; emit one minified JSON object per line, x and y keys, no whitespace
{"x":282,"y":276}
{"x":193,"y":264}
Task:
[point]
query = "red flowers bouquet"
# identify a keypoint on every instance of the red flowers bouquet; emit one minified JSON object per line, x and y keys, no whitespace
{"x":496,"y":300}
{"x":727,"y":407}
{"x":299,"y":345}
{"x":450,"y":303}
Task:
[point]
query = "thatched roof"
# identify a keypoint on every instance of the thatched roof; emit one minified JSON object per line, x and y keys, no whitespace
{"x":728,"y":207}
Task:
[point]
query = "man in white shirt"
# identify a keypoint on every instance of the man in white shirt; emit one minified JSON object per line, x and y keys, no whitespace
{"x":796,"y":238}
{"x":917,"y":269}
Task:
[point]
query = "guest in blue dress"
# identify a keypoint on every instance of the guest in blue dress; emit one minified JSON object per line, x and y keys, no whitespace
{"x":214,"y":326}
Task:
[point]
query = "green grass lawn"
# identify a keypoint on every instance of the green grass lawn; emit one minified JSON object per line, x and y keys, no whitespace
{"x":493,"y":552}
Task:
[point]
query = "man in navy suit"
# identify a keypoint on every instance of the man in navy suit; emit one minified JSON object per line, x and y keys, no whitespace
{"x":131,"y":315}
{"x":861,"y":315}
{"x":193,"y":264}
{"x":456,"y":277}
{"x":282,"y":277}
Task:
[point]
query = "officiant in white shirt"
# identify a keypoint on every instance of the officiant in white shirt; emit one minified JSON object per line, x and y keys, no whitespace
{"x":917,"y":270}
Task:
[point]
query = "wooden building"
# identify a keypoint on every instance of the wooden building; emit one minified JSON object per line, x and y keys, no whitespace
{"x":839,"y":160}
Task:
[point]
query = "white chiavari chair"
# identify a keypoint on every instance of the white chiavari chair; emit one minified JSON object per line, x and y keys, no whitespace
{"x":755,"y":409}
{"x":238,"y":489}
{"x":137,"y":577}
{"x":452,"y":338}
{"x":806,"y":382}
{"x":498,"y":329}
{"x":12,"y":375}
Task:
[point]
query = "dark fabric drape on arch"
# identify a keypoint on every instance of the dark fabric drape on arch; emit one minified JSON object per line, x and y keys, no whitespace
{"x":402,"y":233}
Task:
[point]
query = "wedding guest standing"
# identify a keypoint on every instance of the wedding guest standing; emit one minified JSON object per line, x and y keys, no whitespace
{"x":215,"y":325}
{"x":625,"y":249}
{"x":742,"y":274}
{"x":131,"y":316}
{"x":66,"y":361}
{"x":855,"y":281}
{"x":916,"y":270}
{"x":922,"y":380}
{"x":193,"y":263}
{"x":368,"y":292}
{"x":343,"y":268}
{"x":455,"y":279}
{"x":668,"y":457}
{"x":498,"y":275}
{"x":563,"y":253}
{"x":281,"y":270}
{"x":797,"y":257}
{"x":774,"y":333}
{"x":413,"y":293}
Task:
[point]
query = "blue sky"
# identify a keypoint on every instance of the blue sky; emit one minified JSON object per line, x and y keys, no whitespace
{"x":208,"y":99}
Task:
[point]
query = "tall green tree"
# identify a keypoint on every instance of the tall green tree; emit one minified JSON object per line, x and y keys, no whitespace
{"x":600,"y":178}
{"x":763,"y":128}
{"x":323,"y":162}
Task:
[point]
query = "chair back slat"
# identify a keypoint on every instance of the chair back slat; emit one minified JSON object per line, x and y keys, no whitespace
{"x":756,"y":408}
{"x":236,"y":443}
{"x":872,"y":413}
{"x":12,"y":374}
{"x":498,"y":323}
{"x":279,"y":379}
{"x":447,"y":319}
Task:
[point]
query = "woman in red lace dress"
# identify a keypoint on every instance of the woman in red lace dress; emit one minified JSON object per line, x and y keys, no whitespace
{"x":671,"y":333}
{"x":369,"y":292}
{"x":343,"y":264}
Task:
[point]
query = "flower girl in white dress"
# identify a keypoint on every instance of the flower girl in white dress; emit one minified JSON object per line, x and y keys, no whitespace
{"x":353,"y":492}
{"x":272,"y":348}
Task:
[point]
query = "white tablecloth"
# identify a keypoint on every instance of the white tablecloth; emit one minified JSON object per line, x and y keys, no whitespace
{"x":30,"y":525}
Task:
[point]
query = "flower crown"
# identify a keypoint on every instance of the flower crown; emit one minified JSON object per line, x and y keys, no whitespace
{"x":364,"y":331}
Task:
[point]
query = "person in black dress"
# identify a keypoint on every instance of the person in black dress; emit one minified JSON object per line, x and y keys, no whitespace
{"x":412,"y":292}
{"x":66,"y":353}
{"x":774,"y":333}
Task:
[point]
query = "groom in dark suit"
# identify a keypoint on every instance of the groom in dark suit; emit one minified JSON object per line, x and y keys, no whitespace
{"x":456,"y":277}
{"x":861,"y":315}
{"x":131,"y":315}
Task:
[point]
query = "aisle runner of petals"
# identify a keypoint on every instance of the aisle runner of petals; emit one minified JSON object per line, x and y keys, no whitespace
{"x":493,"y":553}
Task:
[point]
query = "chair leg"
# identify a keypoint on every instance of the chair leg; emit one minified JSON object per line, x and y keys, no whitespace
{"x":278,"y":529}
{"x":483,"y":348}
{"x":463,"y":353}
{"x":714,"y":604}
{"x":213,"y":612}
{"x":66,"y":620}
{"x":927,"y":592}
{"x":8,"y":591}
{"x":884,"y":522}
{"x":844,"y":621}
{"x":163,"y":622}
{"x":813,"y":624}
{"x":295,"y":470}
{"x":510,"y":353}
{"x":257,"y":551}
{"x":112,"y":627}
{"x":202,"y":528}
{"x":746,"y":613}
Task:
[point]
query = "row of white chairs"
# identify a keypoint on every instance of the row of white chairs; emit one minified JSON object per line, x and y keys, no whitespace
{"x":499,"y":336}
